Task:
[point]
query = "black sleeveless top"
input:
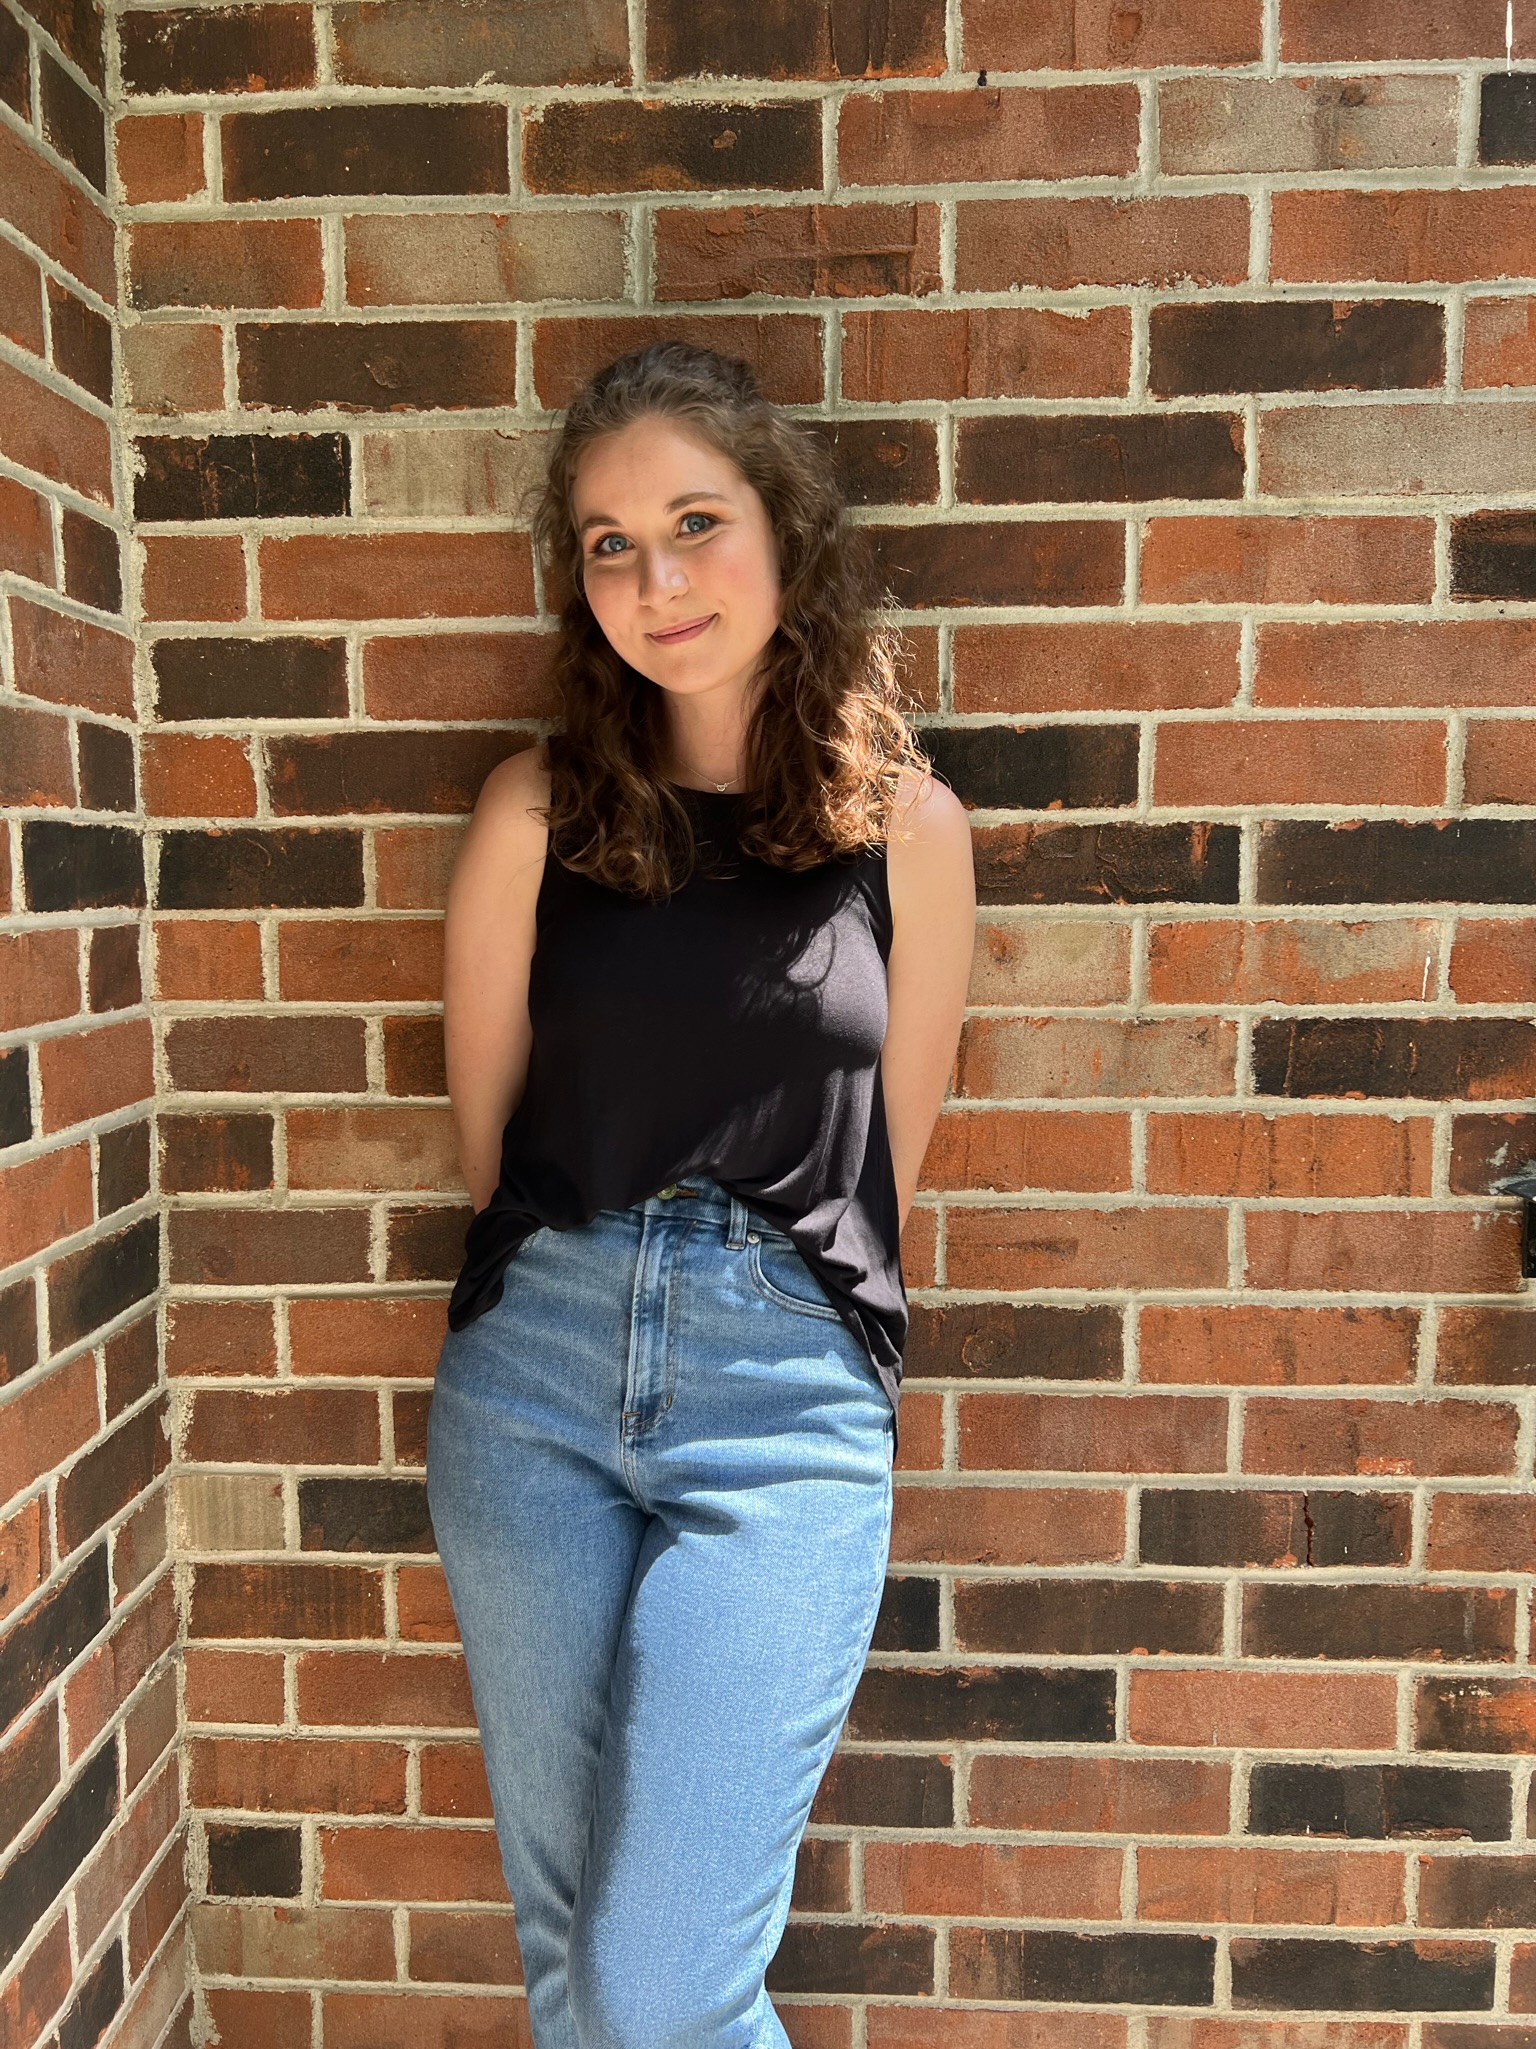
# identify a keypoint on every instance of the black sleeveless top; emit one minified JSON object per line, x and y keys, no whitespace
{"x":734,"y":1030}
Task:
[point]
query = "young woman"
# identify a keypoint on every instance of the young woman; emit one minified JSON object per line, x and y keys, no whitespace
{"x":708,"y":950}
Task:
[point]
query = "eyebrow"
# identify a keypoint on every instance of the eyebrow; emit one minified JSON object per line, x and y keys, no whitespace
{"x":677,"y":504}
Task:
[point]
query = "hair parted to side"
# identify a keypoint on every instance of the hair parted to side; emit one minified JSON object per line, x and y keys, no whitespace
{"x":829,"y":735}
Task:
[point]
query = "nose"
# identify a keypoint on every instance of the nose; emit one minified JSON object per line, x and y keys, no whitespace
{"x":662,"y":575}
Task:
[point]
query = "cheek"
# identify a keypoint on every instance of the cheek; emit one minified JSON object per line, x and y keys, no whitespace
{"x":749,"y":580}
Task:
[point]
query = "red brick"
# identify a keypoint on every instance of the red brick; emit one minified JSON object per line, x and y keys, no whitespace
{"x":207,"y":960}
{"x":1058,"y":243}
{"x":191,"y":776}
{"x":386,"y":1337}
{"x":312,"y":1426}
{"x":1482,"y":1533}
{"x":35,"y":766}
{"x":47,"y":1423}
{"x":1501,"y":762}
{"x":39,"y":978}
{"x":1007,"y":1149}
{"x":1287,"y":560}
{"x":21,"y":299}
{"x":413,"y":863}
{"x":1499,"y":344}
{"x":990,"y":132}
{"x":1315,"y":32}
{"x":1390,"y":663}
{"x":1458,"y":1252}
{"x":1385,"y":1437}
{"x":1092,"y":1433}
{"x":253,"y":2015}
{"x":26,"y":531}
{"x":361,"y":960}
{"x":1221,"y":960}
{"x":173,"y":369}
{"x":1084,"y":1248}
{"x":495,"y":43}
{"x":223,"y":1246}
{"x":225,"y":263}
{"x":220,"y":1337}
{"x":1264,"y":1710}
{"x":1300,"y":761}
{"x":783,"y":348}
{"x":1074,"y":1057}
{"x":193,"y":576}
{"x":1120,"y":1795}
{"x":1101,"y":667}
{"x":1062,"y":1881}
{"x":43,"y":431}
{"x":799,"y":252}
{"x":398,"y":576}
{"x":986,"y":352}
{"x":1253,"y":1345}
{"x":1295,"y":1155}
{"x":1298,"y":2034}
{"x":44,"y":1200}
{"x":368,"y":1688}
{"x":1069,"y":38}
{"x":70,"y":661}
{"x":1255,"y":1887}
{"x":55,"y":213}
{"x":1407,"y":237}
{"x":159,"y":157}
{"x":1008,"y":1526}
{"x":482,"y":259}
{"x":444,"y":1864}
{"x":372,"y":1148}
{"x":446,"y":676}
{"x":299,"y":1775}
{"x":1494,"y":961}
{"x":91,"y":1074}
{"x":1058,"y":962}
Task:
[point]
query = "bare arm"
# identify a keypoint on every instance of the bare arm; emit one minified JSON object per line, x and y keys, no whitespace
{"x":488,"y":948}
{"x":933,"y":905}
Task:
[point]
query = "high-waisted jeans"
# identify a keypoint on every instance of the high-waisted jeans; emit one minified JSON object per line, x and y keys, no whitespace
{"x":659,"y":1473}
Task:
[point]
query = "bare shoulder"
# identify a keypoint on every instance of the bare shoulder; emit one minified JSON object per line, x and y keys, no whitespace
{"x":509,"y":803}
{"x":928,"y":821}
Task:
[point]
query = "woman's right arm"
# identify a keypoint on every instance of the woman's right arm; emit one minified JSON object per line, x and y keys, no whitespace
{"x":488,"y":946}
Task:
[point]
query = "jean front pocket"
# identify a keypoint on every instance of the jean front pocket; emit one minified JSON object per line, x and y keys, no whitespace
{"x":779,"y":1273}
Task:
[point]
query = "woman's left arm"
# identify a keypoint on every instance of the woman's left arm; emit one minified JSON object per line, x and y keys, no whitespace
{"x":933,"y":908}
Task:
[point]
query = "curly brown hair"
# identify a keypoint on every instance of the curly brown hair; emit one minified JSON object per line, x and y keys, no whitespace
{"x":829,"y":736}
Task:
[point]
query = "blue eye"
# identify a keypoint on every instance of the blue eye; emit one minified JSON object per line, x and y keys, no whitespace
{"x":602,"y":546}
{"x":708,"y":521}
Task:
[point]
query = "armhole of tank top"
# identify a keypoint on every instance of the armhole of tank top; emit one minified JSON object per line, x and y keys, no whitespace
{"x":880,"y":885}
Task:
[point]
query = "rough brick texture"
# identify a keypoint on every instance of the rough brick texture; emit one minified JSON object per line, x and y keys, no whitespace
{"x":1181,"y":360}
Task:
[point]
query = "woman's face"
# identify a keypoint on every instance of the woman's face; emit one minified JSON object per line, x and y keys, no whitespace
{"x":679,"y":560}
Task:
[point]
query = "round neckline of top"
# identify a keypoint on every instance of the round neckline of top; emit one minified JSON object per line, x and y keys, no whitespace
{"x":692,"y":790}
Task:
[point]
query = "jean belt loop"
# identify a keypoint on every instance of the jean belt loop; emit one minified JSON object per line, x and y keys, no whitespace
{"x":736,"y":1233}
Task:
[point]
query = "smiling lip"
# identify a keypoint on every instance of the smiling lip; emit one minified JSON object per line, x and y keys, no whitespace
{"x":675,"y":634}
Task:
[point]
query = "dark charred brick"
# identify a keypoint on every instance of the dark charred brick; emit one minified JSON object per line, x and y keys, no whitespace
{"x":372,"y":1514}
{"x":1088,"y":1618}
{"x":887,"y":1789}
{"x":40,"y":1872}
{"x":1487,"y":1151}
{"x":82,"y":342}
{"x":15,"y":1097}
{"x":1036,"y":768}
{"x":112,"y":1473}
{"x":1439,"y":1058}
{"x":794,"y":39}
{"x":1506,"y":132}
{"x":1109,"y":458}
{"x":81,"y":867}
{"x":1281,"y":1621}
{"x":1013,"y":1341}
{"x":1360,"y":1977}
{"x":31,"y":1771}
{"x":114,"y":979}
{"x":378,"y":366}
{"x":1200,"y":1526}
{"x":850,"y":1956}
{"x":1379,"y":1802}
{"x":1002,"y":562}
{"x":396,"y":147}
{"x":482,"y":42}
{"x":1296,"y":345}
{"x":432,"y":771}
{"x":884,"y":462}
{"x":1477,"y":1892}
{"x":76,"y":26}
{"x":1495,"y":1716}
{"x":1115,"y":864}
{"x":414,"y":1063}
{"x":288,"y":1598}
{"x":15,"y":66}
{"x":288,"y":1053}
{"x":93,"y":562}
{"x":1058,"y":1964}
{"x":290,"y":869}
{"x":242,"y":476}
{"x":74,"y":122}
{"x":106,"y":768}
{"x":1464,"y":860}
{"x":122,"y":1167}
{"x":1493,"y":555}
{"x":226,"y":1153}
{"x":99,"y":1997}
{"x":254,"y":1863}
{"x":412,"y":1408}
{"x":18,"y":1302}
{"x":52,"y":1634}
{"x":426,"y":1243}
{"x":216,"y":1246}
{"x":93,"y":1287}
{"x":669,"y":146}
{"x":284,"y":678}
{"x":218,"y":49}
{"x":1487,"y":1348}
{"x":980,"y":1703}
{"x":909,"y":1614}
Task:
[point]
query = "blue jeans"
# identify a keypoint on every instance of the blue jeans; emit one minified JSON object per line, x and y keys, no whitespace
{"x":659,"y":1473}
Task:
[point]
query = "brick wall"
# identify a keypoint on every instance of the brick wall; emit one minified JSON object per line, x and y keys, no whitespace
{"x":1183,"y":361}
{"x":92,"y":1891}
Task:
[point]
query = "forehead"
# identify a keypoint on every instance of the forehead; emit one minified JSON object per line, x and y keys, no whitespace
{"x":649,"y":463}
